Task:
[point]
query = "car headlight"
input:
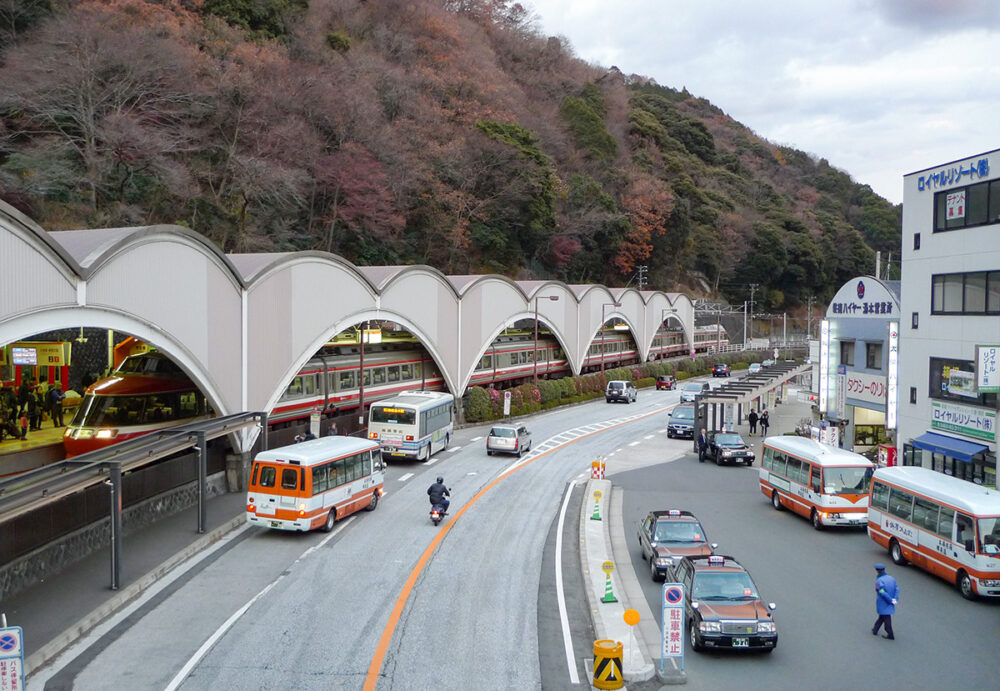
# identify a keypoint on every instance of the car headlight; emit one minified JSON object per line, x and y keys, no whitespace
{"x":664,"y":561}
{"x":766,"y":627}
{"x":710,"y":627}
{"x":727,"y":452}
{"x":990,"y":583}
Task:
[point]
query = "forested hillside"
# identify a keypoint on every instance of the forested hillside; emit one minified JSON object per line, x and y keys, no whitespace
{"x":444,"y":132}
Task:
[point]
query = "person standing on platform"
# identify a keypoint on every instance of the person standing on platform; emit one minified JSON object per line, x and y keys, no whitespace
{"x":765,"y":422}
{"x":24,"y":425}
{"x":752,"y":419}
{"x":886,"y":595}
{"x":56,"y":397}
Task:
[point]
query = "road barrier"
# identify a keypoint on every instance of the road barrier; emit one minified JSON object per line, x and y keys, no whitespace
{"x":597,"y":469}
{"x":608,"y":664}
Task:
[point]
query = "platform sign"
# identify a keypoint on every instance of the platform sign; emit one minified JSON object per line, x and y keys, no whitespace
{"x":672,"y":621}
{"x":11,"y":659}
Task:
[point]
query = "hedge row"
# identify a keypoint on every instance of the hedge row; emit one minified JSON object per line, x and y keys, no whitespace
{"x":482,"y":405}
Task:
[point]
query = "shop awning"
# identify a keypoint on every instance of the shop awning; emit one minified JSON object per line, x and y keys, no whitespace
{"x":949,"y":446}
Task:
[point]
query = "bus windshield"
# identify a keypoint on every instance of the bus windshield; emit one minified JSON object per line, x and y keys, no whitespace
{"x":393,"y":415}
{"x":847,"y":480}
{"x":989,"y":536}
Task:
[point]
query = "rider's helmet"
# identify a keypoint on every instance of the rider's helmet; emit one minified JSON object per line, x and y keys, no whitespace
{"x":440,"y":480}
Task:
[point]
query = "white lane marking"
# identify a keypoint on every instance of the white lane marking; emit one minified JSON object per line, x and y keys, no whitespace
{"x":432,"y":461}
{"x":648,"y":436}
{"x":475,"y":439}
{"x":453,"y":449}
{"x":618,"y":449}
{"x":574,"y":677}
{"x":404,"y":478}
{"x":634,"y":443}
{"x":221,"y":631}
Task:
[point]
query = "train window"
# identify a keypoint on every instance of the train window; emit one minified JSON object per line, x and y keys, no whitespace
{"x":309,"y":384}
{"x":347,"y":381}
{"x":378,"y":374}
{"x":294,"y":389}
{"x":406,"y":372}
{"x":368,"y":377}
{"x":417,"y":368}
{"x":393,"y":373}
{"x":486,"y":362}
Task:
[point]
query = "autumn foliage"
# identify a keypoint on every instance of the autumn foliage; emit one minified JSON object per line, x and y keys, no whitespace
{"x":445,"y":132}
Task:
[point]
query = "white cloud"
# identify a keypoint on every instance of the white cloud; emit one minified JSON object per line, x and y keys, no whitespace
{"x":879,"y":88}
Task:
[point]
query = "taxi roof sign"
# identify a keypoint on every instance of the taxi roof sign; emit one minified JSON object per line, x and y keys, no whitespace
{"x":674,"y":512}
{"x":716,"y":560}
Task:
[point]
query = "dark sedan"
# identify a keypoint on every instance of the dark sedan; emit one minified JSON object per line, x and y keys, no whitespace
{"x":729,"y":447}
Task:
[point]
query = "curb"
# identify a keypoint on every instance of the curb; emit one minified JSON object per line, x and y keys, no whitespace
{"x":123,"y":598}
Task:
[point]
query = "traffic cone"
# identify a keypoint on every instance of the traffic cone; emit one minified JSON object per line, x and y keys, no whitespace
{"x":597,"y":510}
{"x":609,"y":596}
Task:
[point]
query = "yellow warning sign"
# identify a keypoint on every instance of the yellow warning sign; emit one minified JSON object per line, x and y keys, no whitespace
{"x":608,"y":566}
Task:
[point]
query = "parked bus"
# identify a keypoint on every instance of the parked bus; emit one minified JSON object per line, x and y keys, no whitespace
{"x":827,"y":485}
{"x":414,"y":424}
{"x":940,"y":523}
{"x":314,"y":483}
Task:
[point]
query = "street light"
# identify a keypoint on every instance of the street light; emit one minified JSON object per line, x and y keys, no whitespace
{"x":605,"y":305}
{"x":553,"y":298}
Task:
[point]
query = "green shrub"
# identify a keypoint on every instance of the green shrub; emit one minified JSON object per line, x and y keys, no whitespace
{"x":340,"y":42}
{"x":476,"y":405}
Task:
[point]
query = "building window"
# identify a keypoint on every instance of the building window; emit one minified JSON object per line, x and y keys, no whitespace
{"x":873,"y":355}
{"x":847,"y":353}
{"x":976,"y":292}
{"x":916,"y":241}
{"x":914,"y":321}
{"x":954,"y":380}
{"x":913,"y":394}
{"x":964,"y":207}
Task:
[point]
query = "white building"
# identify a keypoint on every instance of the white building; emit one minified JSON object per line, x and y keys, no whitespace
{"x":950,"y":327}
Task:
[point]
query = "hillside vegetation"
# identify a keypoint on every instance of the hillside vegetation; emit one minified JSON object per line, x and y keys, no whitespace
{"x":444,"y":132}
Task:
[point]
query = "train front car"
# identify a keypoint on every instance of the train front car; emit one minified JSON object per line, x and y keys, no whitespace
{"x":148,"y":392}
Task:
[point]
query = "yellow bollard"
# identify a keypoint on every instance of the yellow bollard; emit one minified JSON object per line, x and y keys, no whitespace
{"x":608,"y":664}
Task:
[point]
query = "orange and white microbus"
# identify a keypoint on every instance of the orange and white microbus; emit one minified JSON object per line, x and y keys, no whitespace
{"x":944,"y":525}
{"x":827,"y":485}
{"x":314,"y":483}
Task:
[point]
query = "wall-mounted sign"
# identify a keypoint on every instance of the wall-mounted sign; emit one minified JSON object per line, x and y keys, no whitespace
{"x":892,"y":378}
{"x":988,"y":368}
{"x":863,"y":298}
{"x":824,"y":365}
{"x":961,"y":383}
{"x":841,"y":391}
{"x":980,"y":423}
{"x":867,"y":388}
{"x":953,"y":174}
{"x":955,"y":205}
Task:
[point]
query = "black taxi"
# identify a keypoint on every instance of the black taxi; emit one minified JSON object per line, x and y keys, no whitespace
{"x":667,"y":536}
{"x":723,"y":607}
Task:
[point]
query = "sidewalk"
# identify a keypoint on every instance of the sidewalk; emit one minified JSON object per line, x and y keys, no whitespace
{"x":57,"y":611}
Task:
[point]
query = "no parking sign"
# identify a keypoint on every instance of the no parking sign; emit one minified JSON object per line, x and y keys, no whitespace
{"x":11,"y":659}
{"x":672,"y":619}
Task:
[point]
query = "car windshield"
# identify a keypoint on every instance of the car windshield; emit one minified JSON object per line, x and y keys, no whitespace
{"x":989,"y":536}
{"x":678,"y":531}
{"x":502,"y":432}
{"x":723,"y":586}
{"x":728,"y":440}
{"x":692,"y":387}
{"x":683,"y":414}
{"x":847,"y":480}
{"x":616,"y":385}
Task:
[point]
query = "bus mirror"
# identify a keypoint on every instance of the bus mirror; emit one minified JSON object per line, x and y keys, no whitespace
{"x":771,"y":606}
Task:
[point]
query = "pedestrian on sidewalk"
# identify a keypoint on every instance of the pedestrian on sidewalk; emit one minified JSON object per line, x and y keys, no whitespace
{"x":752,"y":419}
{"x":886,"y":595}
{"x":765,"y":422}
{"x":702,"y":445}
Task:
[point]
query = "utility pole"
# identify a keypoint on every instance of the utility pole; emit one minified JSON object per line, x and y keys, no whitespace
{"x":753,"y":289}
{"x":642,"y":276}
{"x":809,"y":316}
{"x":744,"y":325}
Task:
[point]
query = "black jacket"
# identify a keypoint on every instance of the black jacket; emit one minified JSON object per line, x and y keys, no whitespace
{"x":437,"y":492}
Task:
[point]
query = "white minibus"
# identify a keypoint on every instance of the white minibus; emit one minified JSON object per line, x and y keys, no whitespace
{"x":414,"y":424}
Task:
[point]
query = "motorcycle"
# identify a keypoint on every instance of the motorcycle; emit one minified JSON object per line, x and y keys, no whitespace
{"x":438,"y":512}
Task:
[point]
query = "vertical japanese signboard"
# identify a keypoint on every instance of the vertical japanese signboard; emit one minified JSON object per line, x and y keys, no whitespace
{"x":988,"y":368}
{"x":11,"y":659}
{"x":841,"y":391}
{"x":672,"y":618}
{"x":892,"y":377}
{"x":824,"y":366}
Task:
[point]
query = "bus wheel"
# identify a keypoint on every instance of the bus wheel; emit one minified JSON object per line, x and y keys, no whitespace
{"x":817,"y":524}
{"x":331,"y":518}
{"x":425,"y":453}
{"x":775,"y":500}
{"x":965,"y":586}
{"x":374,"y":502}
{"x":896,"y":553}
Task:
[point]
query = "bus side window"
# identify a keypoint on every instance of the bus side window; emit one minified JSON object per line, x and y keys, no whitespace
{"x":964,"y":531}
{"x":900,"y":504}
{"x":320,"y":479}
{"x":778,"y":463}
{"x":768,"y":455}
{"x":946,"y":520}
{"x":816,"y":476}
{"x":253,"y":474}
{"x":880,"y":499}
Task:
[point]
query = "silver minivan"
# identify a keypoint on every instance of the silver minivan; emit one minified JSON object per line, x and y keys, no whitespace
{"x":508,"y":439}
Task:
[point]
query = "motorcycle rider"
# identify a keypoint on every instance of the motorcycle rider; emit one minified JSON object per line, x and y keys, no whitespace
{"x":437,"y":493}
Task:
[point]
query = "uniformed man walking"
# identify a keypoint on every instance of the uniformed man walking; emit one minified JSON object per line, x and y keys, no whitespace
{"x":886,"y":594}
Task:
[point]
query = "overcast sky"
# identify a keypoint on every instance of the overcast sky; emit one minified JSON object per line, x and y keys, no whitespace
{"x":879,"y":88}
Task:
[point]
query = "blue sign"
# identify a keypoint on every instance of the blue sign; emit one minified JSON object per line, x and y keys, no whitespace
{"x":11,"y":658}
{"x":672,"y":620}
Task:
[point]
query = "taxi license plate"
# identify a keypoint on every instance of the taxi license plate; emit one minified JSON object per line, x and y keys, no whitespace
{"x":741,"y":642}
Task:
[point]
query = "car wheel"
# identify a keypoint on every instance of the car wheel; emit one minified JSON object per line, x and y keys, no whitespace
{"x":693,"y":633}
{"x":652,"y":570}
{"x":896,"y":553}
{"x":965,"y":586}
{"x":374,"y":502}
{"x":718,"y":461}
{"x":489,"y":452}
{"x":776,"y":500}
{"x":331,"y":518}
{"x":520,"y":450}
{"x":642,"y":550}
{"x":814,"y":518}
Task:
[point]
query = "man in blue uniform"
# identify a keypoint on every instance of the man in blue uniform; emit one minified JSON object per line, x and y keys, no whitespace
{"x":886,"y":594}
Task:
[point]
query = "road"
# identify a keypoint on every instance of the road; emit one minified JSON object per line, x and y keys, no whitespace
{"x":471,"y":603}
